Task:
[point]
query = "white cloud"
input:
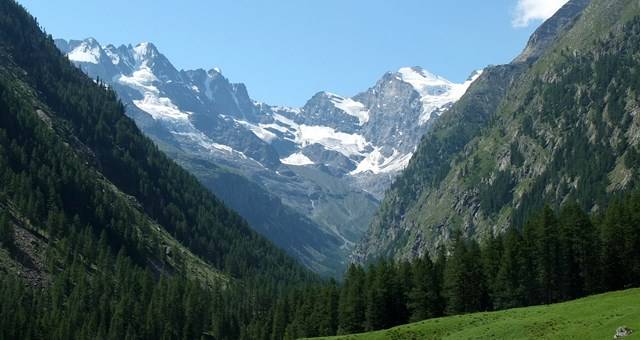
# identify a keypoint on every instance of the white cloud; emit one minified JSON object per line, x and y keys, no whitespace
{"x":528,"y":11}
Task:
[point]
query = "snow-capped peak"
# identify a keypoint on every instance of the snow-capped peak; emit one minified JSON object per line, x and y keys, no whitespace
{"x":214,"y":72}
{"x":423,"y":81}
{"x":145,"y":51}
{"x":436,"y":92}
{"x":88,"y":51}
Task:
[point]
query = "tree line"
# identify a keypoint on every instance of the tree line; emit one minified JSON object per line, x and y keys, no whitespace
{"x":556,"y":256}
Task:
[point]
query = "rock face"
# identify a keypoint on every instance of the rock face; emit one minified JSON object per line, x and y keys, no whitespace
{"x":622,"y":332}
{"x":545,"y":36}
{"x":527,"y":133}
{"x":324,"y":166}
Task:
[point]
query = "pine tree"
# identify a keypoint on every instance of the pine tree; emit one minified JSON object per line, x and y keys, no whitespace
{"x":465,"y":285}
{"x":328,"y":323}
{"x":455,"y":287}
{"x":352,"y":301}
{"x":7,"y":233}
{"x":403,"y":285}
{"x":508,"y":285}
{"x":438,"y":282}
{"x":379,"y":296}
{"x":545,"y":241}
{"x":633,"y":207}
{"x":579,"y":251}
{"x":280,"y":319}
{"x":476,"y":285}
{"x":423,"y":301}
{"x":492,"y":254}
{"x":613,"y":241}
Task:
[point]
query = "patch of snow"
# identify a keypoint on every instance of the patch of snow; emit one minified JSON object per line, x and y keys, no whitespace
{"x":344,"y":143}
{"x":87,"y":52}
{"x":223,"y":147}
{"x":350,"y":107}
{"x":141,"y":80}
{"x":153,"y":103}
{"x":377,"y":163}
{"x":284,"y":120}
{"x":424,"y":82}
{"x":294,"y":110}
{"x":460,"y":89}
{"x":115,"y":58}
{"x":435,"y":92}
{"x":143,"y":51}
{"x":297,"y":159}
{"x":274,"y":126}
{"x":160,"y":108}
{"x":259,"y":131}
{"x":200,"y":139}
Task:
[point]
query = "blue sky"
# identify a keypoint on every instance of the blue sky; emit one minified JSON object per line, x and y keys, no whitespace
{"x":287,"y":50}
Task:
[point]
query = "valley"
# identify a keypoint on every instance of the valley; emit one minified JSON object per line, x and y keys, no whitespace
{"x":143,"y":201}
{"x":317,"y":171}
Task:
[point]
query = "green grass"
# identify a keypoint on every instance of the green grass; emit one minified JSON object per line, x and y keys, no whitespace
{"x":595,"y":317}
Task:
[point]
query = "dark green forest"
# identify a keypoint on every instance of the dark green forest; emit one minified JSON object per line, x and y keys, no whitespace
{"x":557,"y":256}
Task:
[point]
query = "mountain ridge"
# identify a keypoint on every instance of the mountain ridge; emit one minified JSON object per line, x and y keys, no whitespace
{"x":500,"y":170}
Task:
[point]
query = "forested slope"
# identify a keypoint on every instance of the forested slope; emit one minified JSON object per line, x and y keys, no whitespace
{"x":102,"y":235}
{"x":563,"y":126}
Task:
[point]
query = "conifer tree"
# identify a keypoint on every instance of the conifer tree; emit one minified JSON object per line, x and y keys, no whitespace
{"x":455,"y":287}
{"x":579,"y":253}
{"x":492,"y":254}
{"x":423,"y":300}
{"x":544,"y":237}
{"x":508,"y":285}
{"x":352,"y":301}
{"x":7,"y":233}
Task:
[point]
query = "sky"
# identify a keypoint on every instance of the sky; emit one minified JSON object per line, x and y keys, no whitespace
{"x":287,"y":50}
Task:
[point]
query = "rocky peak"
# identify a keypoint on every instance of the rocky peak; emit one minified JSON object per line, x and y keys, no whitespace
{"x":332,"y":110}
{"x":145,"y":51}
{"x":423,"y":81}
{"x":550,"y":30}
{"x":87,"y":51}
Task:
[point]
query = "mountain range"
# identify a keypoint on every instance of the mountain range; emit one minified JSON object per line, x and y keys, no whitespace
{"x":309,"y":178}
